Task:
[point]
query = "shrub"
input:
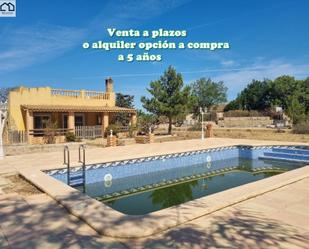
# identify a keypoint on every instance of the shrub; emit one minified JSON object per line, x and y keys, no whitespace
{"x":70,"y":137}
{"x":50,"y":132}
{"x":145,"y":122}
{"x":114,"y":127}
{"x":195,"y":127}
{"x":301,"y":128}
{"x":132,"y":131}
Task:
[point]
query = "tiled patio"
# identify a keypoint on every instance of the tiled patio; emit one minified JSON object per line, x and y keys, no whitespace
{"x":98,"y":155}
{"x":277,"y":219}
{"x":268,"y":221}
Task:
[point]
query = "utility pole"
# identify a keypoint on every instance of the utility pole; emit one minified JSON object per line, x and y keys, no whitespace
{"x":202,"y":114}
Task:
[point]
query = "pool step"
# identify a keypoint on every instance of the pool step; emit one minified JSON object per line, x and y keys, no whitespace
{"x":76,"y":183}
{"x":77,"y":180}
{"x":283,"y":159}
{"x":298,"y":151}
{"x":74,"y":177}
{"x":292,"y":154}
{"x":287,"y":155}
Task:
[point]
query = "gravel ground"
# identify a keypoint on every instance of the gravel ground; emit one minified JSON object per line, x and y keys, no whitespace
{"x":19,"y":185}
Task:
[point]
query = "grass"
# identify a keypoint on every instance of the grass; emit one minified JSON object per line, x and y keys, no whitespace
{"x":262,"y":134}
{"x":248,"y":133}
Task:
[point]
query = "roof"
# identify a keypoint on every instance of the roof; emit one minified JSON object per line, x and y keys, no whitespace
{"x":67,"y":108}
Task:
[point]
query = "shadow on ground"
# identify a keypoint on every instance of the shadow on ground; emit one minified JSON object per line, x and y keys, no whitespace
{"x":38,"y":222}
{"x":237,"y":228}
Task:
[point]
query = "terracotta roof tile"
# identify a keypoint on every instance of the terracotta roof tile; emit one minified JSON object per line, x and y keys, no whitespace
{"x":66,"y":108}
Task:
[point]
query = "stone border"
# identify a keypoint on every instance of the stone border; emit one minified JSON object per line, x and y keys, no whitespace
{"x":138,"y":160}
{"x":163,"y":156}
{"x":110,"y":222}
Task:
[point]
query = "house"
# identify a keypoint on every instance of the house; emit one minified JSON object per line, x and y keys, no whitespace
{"x":217,"y":112}
{"x":32,"y":110}
{"x":7,"y":7}
{"x":214,"y":113}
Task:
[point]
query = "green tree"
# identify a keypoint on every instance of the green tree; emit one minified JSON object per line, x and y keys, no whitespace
{"x":285,"y":91}
{"x":207,"y":93}
{"x":305,"y":96}
{"x":281,"y":89}
{"x":233,"y":105}
{"x":295,"y":110}
{"x":126,"y":101}
{"x":169,"y":97}
{"x":254,"y":96}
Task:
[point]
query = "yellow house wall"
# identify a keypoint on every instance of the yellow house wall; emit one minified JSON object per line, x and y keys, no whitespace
{"x":43,"y":96}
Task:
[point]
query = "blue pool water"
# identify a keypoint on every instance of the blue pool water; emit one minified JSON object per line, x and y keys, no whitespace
{"x":140,"y":186}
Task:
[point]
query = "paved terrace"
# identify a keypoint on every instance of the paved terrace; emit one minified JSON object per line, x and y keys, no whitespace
{"x":277,"y":219}
{"x":53,"y":160}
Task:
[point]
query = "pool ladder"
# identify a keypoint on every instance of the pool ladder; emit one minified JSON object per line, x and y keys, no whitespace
{"x":75,"y":179}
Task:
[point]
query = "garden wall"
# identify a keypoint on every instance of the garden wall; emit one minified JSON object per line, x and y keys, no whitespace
{"x":245,"y":122}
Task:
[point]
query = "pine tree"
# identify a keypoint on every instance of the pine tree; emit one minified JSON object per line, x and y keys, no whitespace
{"x":169,"y":96}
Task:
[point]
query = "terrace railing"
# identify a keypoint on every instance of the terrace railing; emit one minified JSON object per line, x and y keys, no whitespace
{"x":67,"y":93}
{"x":96,"y":95}
{"x":80,"y":94}
{"x":48,"y":131}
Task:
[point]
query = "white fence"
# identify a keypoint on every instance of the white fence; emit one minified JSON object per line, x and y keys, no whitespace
{"x":88,"y":132}
{"x":15,"y":137}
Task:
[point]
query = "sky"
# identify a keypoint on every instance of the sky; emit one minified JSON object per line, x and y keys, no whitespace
{"x":42,"y":46}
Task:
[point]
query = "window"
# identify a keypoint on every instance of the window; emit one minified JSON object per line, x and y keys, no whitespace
{"x":41,"y":120}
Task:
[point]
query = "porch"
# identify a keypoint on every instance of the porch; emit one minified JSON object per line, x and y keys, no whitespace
{"x":83,"y":121}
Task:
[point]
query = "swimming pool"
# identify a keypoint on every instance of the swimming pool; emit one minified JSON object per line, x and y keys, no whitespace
{"x":143,"y":185}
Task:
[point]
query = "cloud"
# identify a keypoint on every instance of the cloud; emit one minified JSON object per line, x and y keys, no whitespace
{"x":237,"y":79}
{"x":27,"y":45}
{"x":227,"y":63}
{"x":131,"y":12}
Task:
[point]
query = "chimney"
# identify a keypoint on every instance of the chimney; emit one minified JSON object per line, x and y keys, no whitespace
{"x":109,"y":85}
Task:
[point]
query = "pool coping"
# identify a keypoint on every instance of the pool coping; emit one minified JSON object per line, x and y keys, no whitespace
{"x":110,"y":222}
{"x":74,"y":168}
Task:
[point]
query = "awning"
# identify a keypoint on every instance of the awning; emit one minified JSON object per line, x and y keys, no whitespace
{"x":71,"y":108}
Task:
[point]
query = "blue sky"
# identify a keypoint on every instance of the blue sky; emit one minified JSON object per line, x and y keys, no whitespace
{"x":43,"y":44}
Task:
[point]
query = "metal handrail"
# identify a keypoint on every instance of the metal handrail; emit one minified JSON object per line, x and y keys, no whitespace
{"x":81,"y":159}
{"x":66,"y":161}
{"x":83,"y":147}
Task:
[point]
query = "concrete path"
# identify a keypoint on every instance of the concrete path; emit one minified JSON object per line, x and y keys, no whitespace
{"x":38,"y":222}
{"x":277,"y":219}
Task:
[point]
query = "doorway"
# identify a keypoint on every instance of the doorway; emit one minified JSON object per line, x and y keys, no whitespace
{"x":79,"y":119}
